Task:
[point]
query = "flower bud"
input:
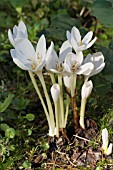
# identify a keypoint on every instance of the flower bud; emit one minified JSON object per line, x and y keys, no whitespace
{"x":86,"y":89}
{"x":55,"y":92}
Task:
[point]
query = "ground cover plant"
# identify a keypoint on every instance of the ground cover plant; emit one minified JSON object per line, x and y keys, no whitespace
{"x":63,"y":50}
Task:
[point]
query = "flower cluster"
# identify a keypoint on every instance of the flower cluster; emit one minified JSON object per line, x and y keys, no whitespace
{"x":68,"y":64}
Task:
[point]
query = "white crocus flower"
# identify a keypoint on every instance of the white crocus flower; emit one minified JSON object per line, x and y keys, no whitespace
{"x":75,"y":40}
{"x":97,"y":60}
{"x":86,"y":89}
{"x":55,"y":92}
{"x":107,"y":150}
{"x":19,"y":32}
{"x":85,"y":92}
{"x":73,"y":64}
{"x":68,"y":81}
{"x":25,"y":56}
{"x":55,"y":63}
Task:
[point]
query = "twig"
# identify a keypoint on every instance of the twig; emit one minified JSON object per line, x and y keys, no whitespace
{"x":82,"y":11}
{"x":85,"y":139}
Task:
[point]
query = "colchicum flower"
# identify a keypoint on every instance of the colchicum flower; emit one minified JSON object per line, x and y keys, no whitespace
{"x":55,"y":92}
{"x":73,"y":64}
{"x":85,"y":92}
{"x":97,"y":60}
{"x":75,"y":40}
{"x":19,"y":32}
{"x":55,"y":63}
{"x":25,"y":56}
{"x":86,"y":89}
{"x":107,"y":150}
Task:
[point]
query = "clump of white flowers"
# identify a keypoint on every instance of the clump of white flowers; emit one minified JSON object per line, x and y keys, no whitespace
{"x":67,"y":65}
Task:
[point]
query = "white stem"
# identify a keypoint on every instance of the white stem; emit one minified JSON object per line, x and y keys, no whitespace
{"x":82,"y":112}
{"x":67,"y":108}
{"x":52,"y":77}
{"x":73,"y":86}
{"x":40,"y":96}
{"x":41,"y":78}
{"x":56,"y":117}
{"x":61,"y":114}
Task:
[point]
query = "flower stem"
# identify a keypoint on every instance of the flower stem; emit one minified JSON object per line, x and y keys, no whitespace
{"x":41,"y":78}
{"x":73,"y":85}
{"x":61,"y":114}
{"x":82,"y":113}
{"x":40,"y":96}
{"x":52,"y":77}
{"x":76,"y":116}
{"x":56,"y":116}
{"x":67,"y":108}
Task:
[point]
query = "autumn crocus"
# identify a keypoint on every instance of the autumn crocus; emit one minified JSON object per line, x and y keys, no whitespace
{"x":77,"y":42}
{"x":55,"y":93}
{"x":85,"y":92}
{"x":73,"y":66}
{"x":97,"y":59}
{"x":55,"y":65}
{"x":107,"y":150}
{"x":19,"y":32}
{"x":25,"y":56}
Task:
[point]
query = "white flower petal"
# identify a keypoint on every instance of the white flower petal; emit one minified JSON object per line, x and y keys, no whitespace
{"x":51,"y":64}
{"x":85,"y":69}
{"x":19,"y":59}
{"x":91,"y":43}
{"x":68,"y":34}
{"x":109,"y":150}
{"x":10,"y":36}
{"x":49,"y":52}
{"x":41,"y":46}
{"x":25,"y":47}
{"x":104,"y":139}
{"x":20,"y":34}
{"x":97,"y":70}
{"x":76,"y":35}
{"x":67,"y":68}
{"x":40,"y":66}
{"x":74,"y":45}
{"x":86,"y":89}
{"x":68,"y":81}
{"x":64,"y":50}
{"x":23,"y":28}
{"x":82,"y":47}
{"x":87,"y":38}
{"x":88,"y":58}
{"x":15,"y":30}
{"x":55,"y":92}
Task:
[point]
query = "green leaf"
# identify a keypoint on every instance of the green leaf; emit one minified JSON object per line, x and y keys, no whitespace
{"x":29,"y":132}
{"x":4,"y":126}
{"x":10,"y":133}
{"x":103,"y":11}
{"x":26,"y":164}
{"x":45,"y":146}
{"x":30,"y":117}
{"x":20,"y":103}
{"x":102,"y":89}
{"x":59,"y":26}
{"x":6,"y":103}
{"x":109,"y":78}
{"x":19,"y":3}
